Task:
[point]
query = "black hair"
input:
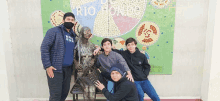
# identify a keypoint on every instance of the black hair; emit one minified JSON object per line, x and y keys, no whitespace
{"x":130,"y":40}
{"x":68,"y":14}
{"x":105,"y":40}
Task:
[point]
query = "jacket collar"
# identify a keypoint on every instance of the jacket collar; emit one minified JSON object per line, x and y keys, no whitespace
{"x":62,"y":27}
{"x":108,"y":54}
{"x":121,"y":80}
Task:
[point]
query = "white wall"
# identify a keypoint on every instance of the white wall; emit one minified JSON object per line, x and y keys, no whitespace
{"x":214,"y":80}
{"x":208,"y":49}
{"x":7,"y":80}
{"x":26,"y":37}
{"x":188,"y":54}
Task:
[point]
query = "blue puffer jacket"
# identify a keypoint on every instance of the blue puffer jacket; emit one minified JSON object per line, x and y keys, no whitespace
{"x":53,"y":48}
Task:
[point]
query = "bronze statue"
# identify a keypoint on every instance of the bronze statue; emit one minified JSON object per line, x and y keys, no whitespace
{"x":85,"y":72}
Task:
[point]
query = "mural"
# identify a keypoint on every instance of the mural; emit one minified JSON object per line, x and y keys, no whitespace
{"x":150,"y":22}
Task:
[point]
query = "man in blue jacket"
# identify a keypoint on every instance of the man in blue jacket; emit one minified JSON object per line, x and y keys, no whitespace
{"x":57,"y":52}
{"x":57,"y":57}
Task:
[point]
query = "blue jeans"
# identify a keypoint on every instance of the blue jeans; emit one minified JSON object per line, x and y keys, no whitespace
{"x":110,"y":87}
{"x":146,"y":87}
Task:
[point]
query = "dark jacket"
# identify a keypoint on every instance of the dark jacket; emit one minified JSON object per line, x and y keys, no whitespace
{"x":125,"y":90}
{"x":138,"y":64}
{"x":53,"y":48}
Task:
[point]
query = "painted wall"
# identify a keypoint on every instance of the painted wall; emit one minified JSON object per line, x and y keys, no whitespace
{"x":150,"y":22}
{"x":188,"y":51}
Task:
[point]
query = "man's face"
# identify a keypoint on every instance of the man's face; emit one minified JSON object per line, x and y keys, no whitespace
{"x":131,"y":46}
{"x":116,"y":76}
{"x":69,"y":19}
{"x":107,"y":46}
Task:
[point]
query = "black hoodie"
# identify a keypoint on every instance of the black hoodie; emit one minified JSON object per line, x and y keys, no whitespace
{"x":124,"y":90}
{"x":138,"y":64}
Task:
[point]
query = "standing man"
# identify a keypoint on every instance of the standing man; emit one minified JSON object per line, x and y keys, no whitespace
{"x":108,"y":59}
{"x":57,"y":57}
{"x":140,"y":69}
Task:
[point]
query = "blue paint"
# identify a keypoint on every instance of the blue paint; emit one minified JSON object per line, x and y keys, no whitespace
{"x":171,"y":25}
{"x":157,"y":45}
{"x":97,"y":40}
{"x":147,"y":55}
{"x":154,"y":12}
{"x":48,"y":21}
{"x":89,"y":19}
{"x":167,"y":42}
{"x":154,"y":56}
{"x":162,"y":33}
{"x":171,"y":52}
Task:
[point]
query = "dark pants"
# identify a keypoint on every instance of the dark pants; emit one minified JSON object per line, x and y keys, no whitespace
{"x":59,"y":85}
{"x":146,"y":87}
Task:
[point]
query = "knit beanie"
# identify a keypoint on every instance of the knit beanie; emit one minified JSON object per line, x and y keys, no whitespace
{"x":116,"y":69}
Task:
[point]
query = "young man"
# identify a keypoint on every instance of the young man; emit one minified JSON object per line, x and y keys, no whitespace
{"x":57,"y":51}
{"x":109,"y":58}
{"x":140,"y":69}
{"x":125,"y":90}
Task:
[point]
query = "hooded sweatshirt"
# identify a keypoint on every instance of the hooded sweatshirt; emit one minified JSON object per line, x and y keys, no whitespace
{"x":138,"y":64}
{"x":124,"y":89}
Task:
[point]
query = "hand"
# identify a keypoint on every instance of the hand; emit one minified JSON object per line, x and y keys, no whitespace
{"x":130,"y":78}
{"x":50,"y":71}
{"x":99,"y":70}
{"x":96,"y":51}
{"x":99,"y":85}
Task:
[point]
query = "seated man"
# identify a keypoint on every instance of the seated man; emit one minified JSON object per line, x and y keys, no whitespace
{"x":109,"y":58}
{"x":140,"y":69}
{"x":125,"y":90}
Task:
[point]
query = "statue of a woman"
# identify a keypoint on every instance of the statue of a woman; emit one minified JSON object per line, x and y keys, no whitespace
{"x":85,"y":72}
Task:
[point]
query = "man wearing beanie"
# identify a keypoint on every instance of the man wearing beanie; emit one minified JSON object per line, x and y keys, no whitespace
{"x":140,"y":69}
{"x":125,"y":90}
{"x":108,"y":59}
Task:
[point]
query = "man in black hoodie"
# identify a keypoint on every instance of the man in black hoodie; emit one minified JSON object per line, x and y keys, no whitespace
{"x":140,"y":68}
{"x":124,"y":90}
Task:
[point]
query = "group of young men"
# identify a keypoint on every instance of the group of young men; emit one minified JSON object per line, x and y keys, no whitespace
{"x":127,"y":70}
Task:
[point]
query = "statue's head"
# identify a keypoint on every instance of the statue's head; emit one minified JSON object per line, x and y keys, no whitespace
{"x":85,"y":32}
